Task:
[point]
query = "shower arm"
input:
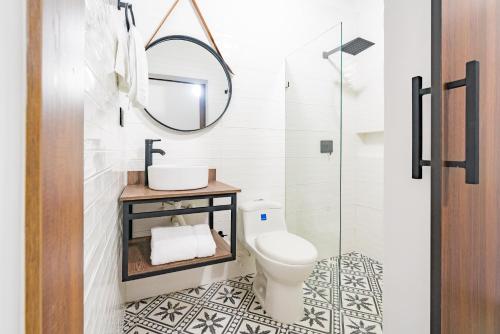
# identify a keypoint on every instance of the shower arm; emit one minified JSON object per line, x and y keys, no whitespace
{"x":327,"y":54}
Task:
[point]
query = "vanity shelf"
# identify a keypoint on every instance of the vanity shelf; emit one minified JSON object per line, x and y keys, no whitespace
{"x":140,"y":264}
{"x":136,"y":261}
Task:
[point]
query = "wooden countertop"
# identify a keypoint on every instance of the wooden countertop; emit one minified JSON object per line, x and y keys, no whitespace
{"x":135,"y":192}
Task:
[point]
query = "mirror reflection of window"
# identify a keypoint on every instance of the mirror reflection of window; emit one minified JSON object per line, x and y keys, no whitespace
{"x":179,"y":102}
{"x":190,"y":86}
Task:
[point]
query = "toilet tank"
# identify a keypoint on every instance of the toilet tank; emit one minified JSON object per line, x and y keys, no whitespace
{"x":260,"y":216}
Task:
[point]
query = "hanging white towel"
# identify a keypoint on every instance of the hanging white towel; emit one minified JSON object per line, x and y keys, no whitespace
{"x":205,"y":242}
{"x":171,"y":244}
{"x":138,"y":65}
{"x":121,"y":67}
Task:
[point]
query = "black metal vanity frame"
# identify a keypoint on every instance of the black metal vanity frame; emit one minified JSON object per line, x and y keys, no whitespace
{"x":129,"y":216}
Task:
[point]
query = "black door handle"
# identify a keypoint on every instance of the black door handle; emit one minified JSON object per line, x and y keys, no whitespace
{"x":471,"y":84}
{"x":416,"y":128}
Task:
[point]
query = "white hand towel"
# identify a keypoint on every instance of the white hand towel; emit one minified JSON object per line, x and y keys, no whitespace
{"x":138,"y":64}
{"x":205,"y":242}
{"x":121,"y":63}
{"x":170,"y":244}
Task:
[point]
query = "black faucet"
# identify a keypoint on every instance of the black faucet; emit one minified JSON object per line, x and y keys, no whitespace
{"x":149,"y":157}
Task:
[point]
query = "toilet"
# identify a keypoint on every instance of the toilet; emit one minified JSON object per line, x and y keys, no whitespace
{"x":283,"y":260}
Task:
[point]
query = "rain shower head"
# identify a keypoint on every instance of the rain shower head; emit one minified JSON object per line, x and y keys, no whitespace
{"x":353,"y":47}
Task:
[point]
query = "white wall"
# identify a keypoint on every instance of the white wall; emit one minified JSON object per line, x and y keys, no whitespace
{"x":407,"y":201}
{"x":247,"y":146}
{"x":104,"y":176}
{"x":12,"y":166}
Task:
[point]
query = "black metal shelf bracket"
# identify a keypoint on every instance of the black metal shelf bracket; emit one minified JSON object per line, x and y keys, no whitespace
{"x":471,"y":84}
{"x":417,"y":93}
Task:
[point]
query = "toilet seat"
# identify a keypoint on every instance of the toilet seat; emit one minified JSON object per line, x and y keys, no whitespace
{"x":286,"y":248}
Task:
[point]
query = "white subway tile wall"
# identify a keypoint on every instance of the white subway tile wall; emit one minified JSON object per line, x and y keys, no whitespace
{"x":104,"y":175}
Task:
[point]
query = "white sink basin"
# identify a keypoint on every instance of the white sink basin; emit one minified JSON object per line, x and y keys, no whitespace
{"x":173,"y":177}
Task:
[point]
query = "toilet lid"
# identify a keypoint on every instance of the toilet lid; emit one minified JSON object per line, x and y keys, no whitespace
{"x":286,"y":247}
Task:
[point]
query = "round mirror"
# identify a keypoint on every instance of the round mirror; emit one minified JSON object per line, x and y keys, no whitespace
{"x":189,"y":83}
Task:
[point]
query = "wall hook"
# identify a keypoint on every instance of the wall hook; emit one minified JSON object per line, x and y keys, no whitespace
{"x":122,"y":4}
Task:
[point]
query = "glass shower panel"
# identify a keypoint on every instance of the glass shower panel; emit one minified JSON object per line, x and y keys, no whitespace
{"x":313,"y":141}
{"x":362,"y":167}
{"x":360,"y":273}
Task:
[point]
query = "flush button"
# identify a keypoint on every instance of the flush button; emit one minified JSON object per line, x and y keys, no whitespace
{"x":263,"y":216}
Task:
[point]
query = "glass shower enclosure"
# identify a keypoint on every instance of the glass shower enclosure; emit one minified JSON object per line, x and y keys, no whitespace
{"x":314,"y":141}
{"x":334,"y":172}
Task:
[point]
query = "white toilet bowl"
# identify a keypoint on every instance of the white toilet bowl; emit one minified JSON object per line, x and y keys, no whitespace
{"x":283,"y":260}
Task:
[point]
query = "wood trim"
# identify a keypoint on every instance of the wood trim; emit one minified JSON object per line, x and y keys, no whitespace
{"x":136,"y":192}
{"x":135,"y":177}
{"x":54,"y":167}
{"x":33,"y":289}
{"x":470,"y":213}
{"x":212,"y":175}
{"x":436,"y":167}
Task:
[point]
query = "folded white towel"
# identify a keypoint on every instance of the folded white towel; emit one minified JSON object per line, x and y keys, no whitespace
{"x":170,"y":244}
{"x":205,"y":242}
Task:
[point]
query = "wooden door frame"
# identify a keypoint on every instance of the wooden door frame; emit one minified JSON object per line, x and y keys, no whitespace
{"x":436,"y":166}
{"x":54,"y":167}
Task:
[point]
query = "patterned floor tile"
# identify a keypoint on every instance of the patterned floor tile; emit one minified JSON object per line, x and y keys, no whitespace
{"x":377,"y":268}
{"x":317,"y":319}
{"x":355,"y":281}
{"x":380,"y":284}
{"x":141,"y":330}
{"x":350,"y":264}
{"x":229,"y":296}
{"x":359,"y":302}
{"x":137,"y":306}
{"x":321,"y":275}
{"x":256,"y":308}
{"x":170,"y":312}
{"x":209,"y":321}
{"x":253,"y":327}
{"x":353,"y":325}
{"x":345,"y":301}
{"x":247,"y":279}
{"x":197,"y":292}
{"x":317,"y":293}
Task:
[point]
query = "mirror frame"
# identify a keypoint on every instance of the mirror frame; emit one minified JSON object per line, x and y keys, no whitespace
{"x":213,"y":53}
